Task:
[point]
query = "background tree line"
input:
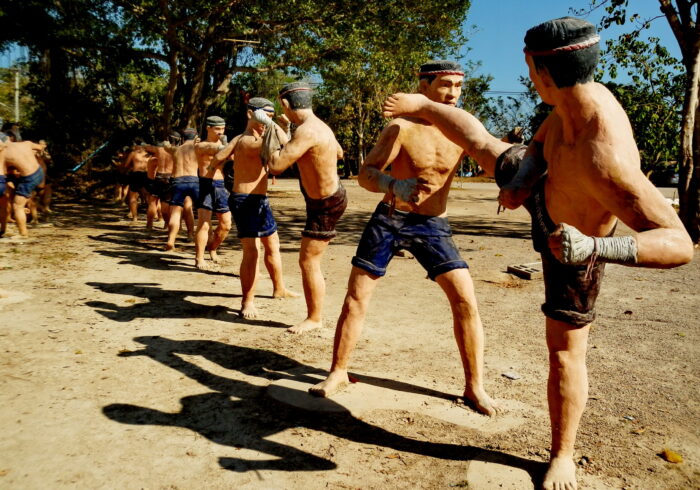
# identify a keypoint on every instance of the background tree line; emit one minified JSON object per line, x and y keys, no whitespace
{"x":110,"y":70}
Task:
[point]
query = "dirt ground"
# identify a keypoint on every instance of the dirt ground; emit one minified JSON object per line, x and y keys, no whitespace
{"x":124,"y":367}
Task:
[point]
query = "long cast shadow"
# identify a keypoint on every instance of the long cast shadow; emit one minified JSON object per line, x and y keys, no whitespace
{"x":159,"y":261}
{"x":168,"y":303}
{"x":238,"y":413}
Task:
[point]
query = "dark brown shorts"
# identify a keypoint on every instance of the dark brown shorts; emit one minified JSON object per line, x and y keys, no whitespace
{"x":323,"y":214}
{"x":570,"y":295}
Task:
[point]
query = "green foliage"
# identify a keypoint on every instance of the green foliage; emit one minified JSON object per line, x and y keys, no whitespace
{"x":524,"y":110}
{"x":144,"y":66}
{"x":655,"y":123}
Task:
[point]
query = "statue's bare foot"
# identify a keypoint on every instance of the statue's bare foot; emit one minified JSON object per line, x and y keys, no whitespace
{"x":214,"y":256}
{"x":249,"y":311}
{"x":403,"y":104}
{"x":335,"y":382}
{"x":204,"y":266}
{"x":561,"y":475}
{"x":304,"y":326}
{"x":169,"y":247}
{"x":481,"y":402}
{"x":285,"y":293}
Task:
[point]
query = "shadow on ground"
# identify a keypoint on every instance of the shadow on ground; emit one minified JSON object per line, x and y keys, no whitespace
{"x":168,"y":303}
{"x":238,"y":414}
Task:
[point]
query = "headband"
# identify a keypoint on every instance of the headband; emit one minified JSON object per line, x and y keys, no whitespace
{"x":298,"y":89}
{"x":586,"y":43}
{"x":265,"y":108}
{"x":442,"y":72}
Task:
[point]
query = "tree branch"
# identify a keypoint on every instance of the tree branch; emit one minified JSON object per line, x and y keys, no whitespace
{"x":676,"y":27}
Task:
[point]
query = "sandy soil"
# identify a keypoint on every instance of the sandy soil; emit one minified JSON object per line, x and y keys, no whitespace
{"x":124,"y":367}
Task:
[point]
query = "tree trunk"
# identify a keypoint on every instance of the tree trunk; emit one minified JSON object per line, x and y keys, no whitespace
{"x":361,"y":116}
{"x":689,"y":173}
{"x":191,"y":112}
{"x":168,"y":109}
{"x":174,"y":73}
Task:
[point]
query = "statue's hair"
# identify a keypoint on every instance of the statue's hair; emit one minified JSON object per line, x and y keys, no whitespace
{"x":568,"y":48}
{"x":189,"y":134}
{"x":430,"y":70}
{"x":298,"y":94}
{"x":260,"y":103}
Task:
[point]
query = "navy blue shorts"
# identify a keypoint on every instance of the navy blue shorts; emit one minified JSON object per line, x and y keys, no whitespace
{"x":213,"y":196}
{"x":252,"y":214}
{"x":183,"y":187}
{"x":3,"y":185}
{"x":428,"y":238}
{"x":27,"y":184}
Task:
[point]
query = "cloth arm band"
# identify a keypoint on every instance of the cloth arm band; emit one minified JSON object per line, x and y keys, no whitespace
{"x":577,"y":248}
{"x":384,"y":181}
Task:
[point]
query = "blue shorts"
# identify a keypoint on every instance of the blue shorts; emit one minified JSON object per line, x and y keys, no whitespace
{"x":213,"y":196}
{"x":183,"y":187}
{"x":3,"y":185}
{"x":27,"y":184}
{"x":252,"y":215}
{"x":428,"y":238}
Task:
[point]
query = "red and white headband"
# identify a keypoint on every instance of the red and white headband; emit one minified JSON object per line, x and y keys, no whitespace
{"x":587,"y":43}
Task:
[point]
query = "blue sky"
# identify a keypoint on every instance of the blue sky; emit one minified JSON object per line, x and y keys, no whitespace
{"x":500,"y":26}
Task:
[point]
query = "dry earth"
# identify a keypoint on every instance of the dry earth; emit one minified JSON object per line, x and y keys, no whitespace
{"x":124,"y":367}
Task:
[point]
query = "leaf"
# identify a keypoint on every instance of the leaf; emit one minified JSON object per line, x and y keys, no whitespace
{"x":671,"y":456}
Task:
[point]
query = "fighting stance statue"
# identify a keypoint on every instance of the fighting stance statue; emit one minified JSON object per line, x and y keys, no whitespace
{"x":412,"y":215}
{"x":580,"y":173}
{"x":316,"y":152}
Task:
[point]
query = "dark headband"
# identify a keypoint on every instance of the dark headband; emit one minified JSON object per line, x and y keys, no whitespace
{"x":441,"y":72}
{"x":265,"y":108}
{"x":297,"y":89}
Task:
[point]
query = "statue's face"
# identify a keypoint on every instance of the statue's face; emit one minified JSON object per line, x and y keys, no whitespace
{"x":445,"y":89}
{"x":215,"y":131}
{"x":540,"y":80}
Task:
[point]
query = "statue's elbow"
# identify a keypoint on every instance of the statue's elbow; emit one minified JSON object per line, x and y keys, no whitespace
{"x":363,"y":179}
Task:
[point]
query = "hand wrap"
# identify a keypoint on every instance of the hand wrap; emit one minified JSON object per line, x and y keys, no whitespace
{"x":261,"y":116}
{"x":577,"y":248}
{"x":401,"y":188}
{"x":270,"y":143}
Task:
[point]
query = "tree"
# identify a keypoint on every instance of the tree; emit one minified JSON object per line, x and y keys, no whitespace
{"x":379,"y":57}
{"x":682,"y":16}
{"x":113,"y":57}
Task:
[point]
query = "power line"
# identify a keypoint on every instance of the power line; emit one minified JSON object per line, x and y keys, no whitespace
{"x":504,"y":92}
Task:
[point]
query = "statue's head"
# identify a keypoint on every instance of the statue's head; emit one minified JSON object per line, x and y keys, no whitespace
{"x":441,"y":81}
